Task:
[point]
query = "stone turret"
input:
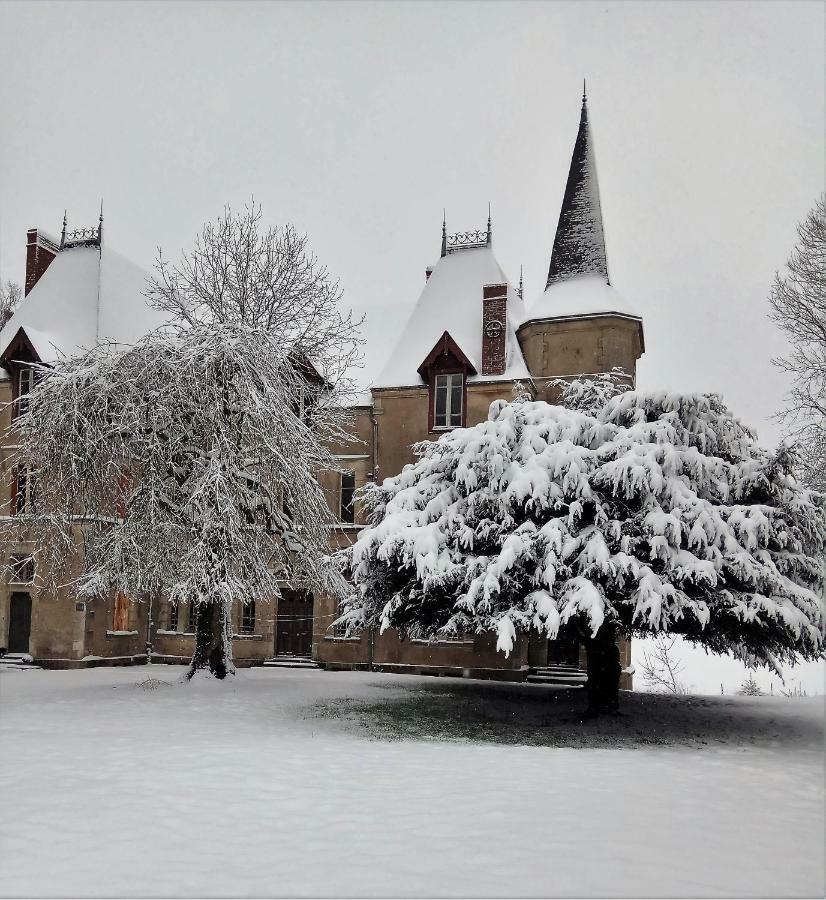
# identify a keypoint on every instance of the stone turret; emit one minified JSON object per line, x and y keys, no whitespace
{"x":580,"y":324}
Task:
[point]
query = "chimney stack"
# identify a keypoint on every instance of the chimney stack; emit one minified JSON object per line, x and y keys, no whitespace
{"x":40,"y":251}
{"x":494,"y":328}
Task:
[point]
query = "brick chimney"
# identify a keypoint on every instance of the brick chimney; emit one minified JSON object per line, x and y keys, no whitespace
{"x":494,"y":328}
{"x":40,"y":251}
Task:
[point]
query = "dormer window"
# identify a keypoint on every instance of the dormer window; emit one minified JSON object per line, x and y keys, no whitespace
{"x":445,"y":370}
{"x":448,"y":407}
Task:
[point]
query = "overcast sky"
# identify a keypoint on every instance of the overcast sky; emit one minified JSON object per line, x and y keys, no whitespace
{"x":359,"y":122}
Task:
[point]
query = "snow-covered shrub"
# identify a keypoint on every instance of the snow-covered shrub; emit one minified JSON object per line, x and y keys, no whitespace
{"x":659,"y":514}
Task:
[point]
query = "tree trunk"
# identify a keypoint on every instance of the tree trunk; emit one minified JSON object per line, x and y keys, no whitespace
{"x":603,"y":671}
{"x":213,"y":641}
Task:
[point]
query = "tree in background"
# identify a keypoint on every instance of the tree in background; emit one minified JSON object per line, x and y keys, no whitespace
{"x":660,"y":669}
{"x":658,"y":515}
{"x":10,"y":295}
{"x":798,"y":302}
{"x":750,"y":687}
{"x":190,"y":459}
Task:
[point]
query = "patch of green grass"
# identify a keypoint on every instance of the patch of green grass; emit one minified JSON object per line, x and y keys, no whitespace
{"x":502,"y":713}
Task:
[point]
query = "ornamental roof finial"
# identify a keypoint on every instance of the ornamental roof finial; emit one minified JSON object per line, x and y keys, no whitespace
{"x":63,"y":232}
{"x":521,"y":289}
{"x":489,"y":239}
{"x":444,"y":233}
{"x":100,"y":224}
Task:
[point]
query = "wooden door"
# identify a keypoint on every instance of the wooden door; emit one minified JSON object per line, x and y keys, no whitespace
{"x":564,"y":650}
{"x":294,"y":624}
{"x":20,"y":623}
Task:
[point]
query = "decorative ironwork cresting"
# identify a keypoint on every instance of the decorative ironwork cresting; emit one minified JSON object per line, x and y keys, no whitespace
{"x":466,"y":240}
{"x":82,"y":237}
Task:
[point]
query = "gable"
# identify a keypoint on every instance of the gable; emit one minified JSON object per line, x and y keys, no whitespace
{"x":445,"y":354}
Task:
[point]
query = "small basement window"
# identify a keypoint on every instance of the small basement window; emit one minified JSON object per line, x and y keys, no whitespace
{"x":447,"y":401}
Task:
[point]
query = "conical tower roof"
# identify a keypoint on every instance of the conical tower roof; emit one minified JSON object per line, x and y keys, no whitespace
{"x":579,"y":246}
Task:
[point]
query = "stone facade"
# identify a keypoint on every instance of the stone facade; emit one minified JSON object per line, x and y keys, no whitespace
{"x":474,"y":342}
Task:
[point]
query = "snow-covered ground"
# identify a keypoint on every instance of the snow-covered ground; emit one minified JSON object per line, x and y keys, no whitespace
{"x":308,"y":783}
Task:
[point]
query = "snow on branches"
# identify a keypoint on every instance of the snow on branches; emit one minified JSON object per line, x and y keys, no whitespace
{"x":658,"y":514}
{"x":188,"y":462}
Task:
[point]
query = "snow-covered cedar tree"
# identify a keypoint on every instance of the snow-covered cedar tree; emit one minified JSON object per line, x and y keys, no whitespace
{"x":798,"y":304}
{"x":187,"y":463}
{"x":660,"y":514}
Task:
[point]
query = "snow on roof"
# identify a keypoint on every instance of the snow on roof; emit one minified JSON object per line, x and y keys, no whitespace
{"x":581,"y":295}
{"x":85,"y":296}
{"x":452,"y":301}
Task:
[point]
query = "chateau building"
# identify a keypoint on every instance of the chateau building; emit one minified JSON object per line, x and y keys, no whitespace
{"x":470,"y":339}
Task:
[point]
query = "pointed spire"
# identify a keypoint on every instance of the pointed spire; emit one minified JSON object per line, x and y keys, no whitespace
{"x":489,"y":238}
{"x":63,"y":232}
{"x":579,"y":245}
{"x":521,"y":291}
{"x":444,"y":232}
{"x":100,"y":224}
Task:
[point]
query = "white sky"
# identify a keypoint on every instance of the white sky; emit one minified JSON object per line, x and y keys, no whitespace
{"x":359,"y":122}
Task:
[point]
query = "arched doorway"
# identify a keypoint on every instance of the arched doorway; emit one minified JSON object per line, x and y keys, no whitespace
{"x":294,"y":624}
{"x":20,"y":622}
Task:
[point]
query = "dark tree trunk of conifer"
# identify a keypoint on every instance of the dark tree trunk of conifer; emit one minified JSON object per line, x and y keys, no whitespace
{"x":603,"y":671}
{"x":213,"y":649}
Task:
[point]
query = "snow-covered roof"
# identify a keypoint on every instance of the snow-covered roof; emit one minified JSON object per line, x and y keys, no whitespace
{"x":579,"y":243}
{"x":452,"y":301}
{"x":86,"y":295}
{"x":582,"y":295}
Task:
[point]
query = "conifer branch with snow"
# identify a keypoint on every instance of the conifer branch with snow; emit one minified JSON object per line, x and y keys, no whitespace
{"x":660,"y":514}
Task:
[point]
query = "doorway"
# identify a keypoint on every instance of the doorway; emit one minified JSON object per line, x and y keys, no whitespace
{"x":294,"y":624}
{"x":565,"y":649}
{"x":20,"y":622}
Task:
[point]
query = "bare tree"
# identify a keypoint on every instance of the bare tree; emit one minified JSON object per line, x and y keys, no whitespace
{"x":190,"y":459}
{"x":10,"y":295}
{"x":798,"y":302}
{"x":660,"y":669}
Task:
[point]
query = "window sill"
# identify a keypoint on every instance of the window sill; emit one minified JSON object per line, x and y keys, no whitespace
{"x":120,"y":633}
{"x":346,"y":526}
{"x":444,"y":641}
{"x":248,"y":637}
{"x":342,"y":640}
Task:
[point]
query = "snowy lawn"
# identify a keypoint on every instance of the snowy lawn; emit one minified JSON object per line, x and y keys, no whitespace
{"x":288,"y":782}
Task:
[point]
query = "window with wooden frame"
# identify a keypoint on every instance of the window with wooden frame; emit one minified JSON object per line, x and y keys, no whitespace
{"x":24,"y":491}
{"x":25,"y":382}
{"x":120,"y":620}
{"x":193,"y":618}
{"x":21,"y":569}
{"x":172,"y":618}
{"x":347,"y":506}
{"x":446,"y":370}
{"x":339,"y":630}
{"x":448,"y":400}
{"x":247,"y":618}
